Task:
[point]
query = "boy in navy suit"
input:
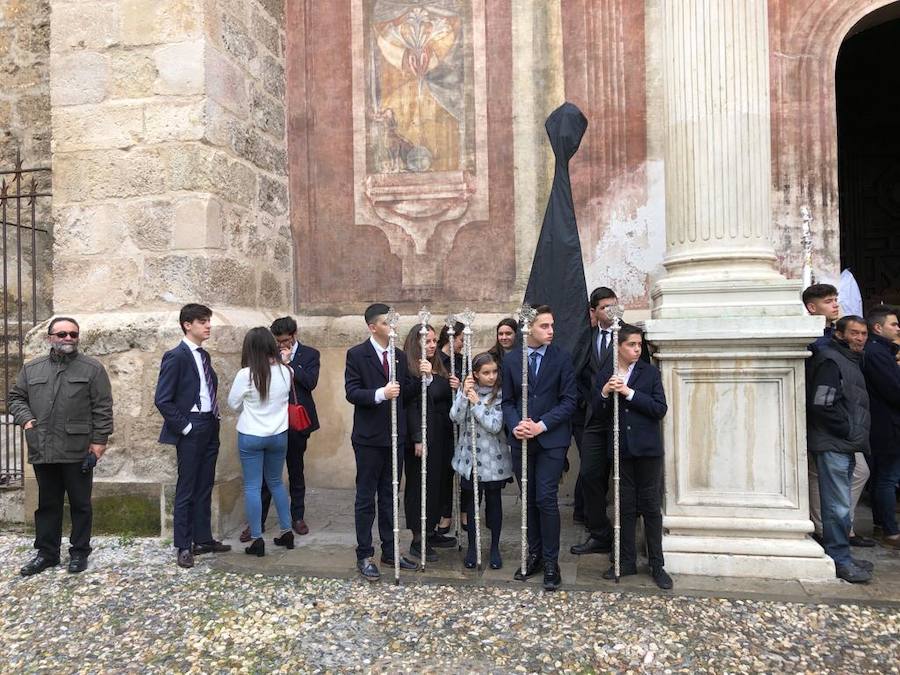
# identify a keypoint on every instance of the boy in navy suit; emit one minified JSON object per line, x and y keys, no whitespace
{"x":552,"y":397}
{"x":186,"y":398}
{"x":367,"y":387}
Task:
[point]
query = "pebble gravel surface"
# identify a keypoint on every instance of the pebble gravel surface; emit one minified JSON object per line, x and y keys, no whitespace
{"x":134,"y":611}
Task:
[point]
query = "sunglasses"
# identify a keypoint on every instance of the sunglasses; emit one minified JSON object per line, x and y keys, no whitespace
{"x":63,"y":334}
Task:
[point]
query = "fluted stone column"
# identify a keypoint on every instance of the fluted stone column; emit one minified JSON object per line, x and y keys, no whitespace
{"x":730,"y":330}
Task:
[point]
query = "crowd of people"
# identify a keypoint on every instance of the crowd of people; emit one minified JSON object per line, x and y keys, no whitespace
{"x":853,"y":415}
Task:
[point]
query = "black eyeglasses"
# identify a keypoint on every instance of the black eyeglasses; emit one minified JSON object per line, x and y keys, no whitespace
{"x":63,"y":334}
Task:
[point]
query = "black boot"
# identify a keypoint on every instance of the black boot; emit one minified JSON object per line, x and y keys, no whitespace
{"x":286,"y":539}
{"x":257,"y":548}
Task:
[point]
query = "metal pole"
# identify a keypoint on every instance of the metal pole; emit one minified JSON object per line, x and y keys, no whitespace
{"x":451,"y":333}
{"x":424,"y":318}
{"x":393,"y":319}
{"x":468,"y":318}
{"x":526,"y":316}
{"x":615,"y":313}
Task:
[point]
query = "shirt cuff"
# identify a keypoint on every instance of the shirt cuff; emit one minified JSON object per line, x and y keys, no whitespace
{"x":379,"y":395}
{"x":630,"y":396}
{"x":187,"y":429}
{"x":543,"y":426}
{"x":428,"y":380}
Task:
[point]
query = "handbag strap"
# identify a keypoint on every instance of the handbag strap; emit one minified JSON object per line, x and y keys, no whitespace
{"x":293,"y":389}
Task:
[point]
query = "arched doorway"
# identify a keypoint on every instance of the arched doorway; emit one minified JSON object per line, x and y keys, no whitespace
{"x":867,"y":83}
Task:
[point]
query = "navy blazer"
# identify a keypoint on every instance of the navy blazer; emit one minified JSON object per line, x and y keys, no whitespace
{"x":305,"y":365}
{"x":883,"y":382}
{"x":363,"y":375}
{"x":551,"y":399}
{"x":178,"y":390}
{"x":639,"y":432}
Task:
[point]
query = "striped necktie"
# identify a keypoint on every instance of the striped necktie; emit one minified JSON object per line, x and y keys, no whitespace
{"x":207,"y":375}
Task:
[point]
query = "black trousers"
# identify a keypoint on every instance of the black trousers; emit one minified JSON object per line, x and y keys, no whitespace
{"x":545,"y":468}
{"x":640,"y":479}
{"x":55,"y":482}
{"x":296,"y":481}
{"x":373,"y":485}
{"x":594,"y":477}
{"x":493,"y":508}
{"x":412,"y":493}
{"x":578,"y":435}
{"x":197,"y":455}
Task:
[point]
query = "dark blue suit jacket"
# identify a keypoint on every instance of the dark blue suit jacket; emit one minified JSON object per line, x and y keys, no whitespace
{"x":364,"y":374}
{"x":178,"y":390}
{"x":551,"y":399}
{"x":883,"y":382}
{"x":639,"y":432}
{"x":305,"y":365}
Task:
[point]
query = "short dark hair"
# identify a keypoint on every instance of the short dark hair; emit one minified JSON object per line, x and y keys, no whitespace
{"x":191,"y":312}
{"x":543,"y":309}
{"x":375,"y":310}
{"x":57,"y":319}
{"x":626,"y":330}
{"x":880,"y":314}
{"x":818,"y":292}
{"x":841,"y":325}
{"x":601,"y":293}
{"x":284,"y":325}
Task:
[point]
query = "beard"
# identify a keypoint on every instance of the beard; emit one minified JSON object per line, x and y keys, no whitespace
{"x":65,"y":347}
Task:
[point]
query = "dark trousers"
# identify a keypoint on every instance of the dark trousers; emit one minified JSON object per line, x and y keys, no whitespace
{"x":545,"y":467}
{"x":578,"y":435}
{"x":594,"y":477}
{"x":55,"y":482}
{"x":296,"y":481}
{"x":197,"y":455}
{"x":640,"y":479}
{"x":373,"y":484}
{"x":493,"y":509}
{"x":412,"y":493}
{"x":886,"y":473}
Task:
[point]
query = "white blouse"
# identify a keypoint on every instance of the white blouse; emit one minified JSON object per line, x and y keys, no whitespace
{"x":258,"y":417}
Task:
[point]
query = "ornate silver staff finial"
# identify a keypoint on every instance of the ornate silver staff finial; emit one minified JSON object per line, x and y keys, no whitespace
{"x":526,"y":314}
{"x":450,"y":322}
{"x":393,"y":318}
{"x":615,"y":314}
{"x":424,"y":316}
{"x":466,"y":318}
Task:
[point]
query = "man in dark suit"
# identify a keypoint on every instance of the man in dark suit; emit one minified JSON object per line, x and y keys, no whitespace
{"x":186,"y":398}
{"x":552,"y":397}
{"x":304,"y":362}
{"x":368,"y":388}
{"x":594,"y":474}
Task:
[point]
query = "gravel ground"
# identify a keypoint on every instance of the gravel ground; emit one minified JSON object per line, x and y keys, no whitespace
{"x":135,"y":611}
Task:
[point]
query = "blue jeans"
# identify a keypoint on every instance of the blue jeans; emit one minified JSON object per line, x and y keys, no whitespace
{"x":264,"y":456}
{"x":887,"y":474}
{"x":835,"y":470}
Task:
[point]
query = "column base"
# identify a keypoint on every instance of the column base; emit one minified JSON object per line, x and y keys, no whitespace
{"x":752,"y":566}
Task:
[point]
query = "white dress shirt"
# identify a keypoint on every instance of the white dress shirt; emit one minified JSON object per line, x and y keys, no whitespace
{"x":625,"y":379}
{"x":205,"y":399}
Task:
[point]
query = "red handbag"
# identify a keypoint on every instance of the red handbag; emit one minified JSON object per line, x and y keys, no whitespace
{"x":298,"y":418}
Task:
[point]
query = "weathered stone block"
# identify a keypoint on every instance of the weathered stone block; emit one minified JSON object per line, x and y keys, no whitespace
{"x":150,"y":223}
{"x":225,"y":83}
{"x":80,"y":176}
{"x":265,"y":32}
{"x":267,"y":113}
{"x":89,"y":229}
{"x":232,"y":282}
{"x":106,"y":125}
{"x":180,"y":69}
{"x":265,"y":154}
{"x":273,"y":196}
{"x":272,"y":76}
{"x":198,"y":223}
{"x":88,"y":25}
{"x":236,"y":40}
{"x":175,"y":278}
{"x":170,"y":121}
{"x":275,"y":9}
{"x":78,"y":77}
{"x":133,"y":74}
{"x":126,"y":373}
{"x":271,"y":290}
{"x":126,"y":508}
{"x":200,"y":168}
{"x":147,"y":22}
{"x":83,"y":284}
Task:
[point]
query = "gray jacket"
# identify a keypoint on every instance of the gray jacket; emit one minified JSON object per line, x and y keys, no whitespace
{"x":492,"y":450}
{"x":71,"y":399}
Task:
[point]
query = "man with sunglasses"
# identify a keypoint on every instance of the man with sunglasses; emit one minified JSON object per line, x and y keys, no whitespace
{"x":63,"y":401}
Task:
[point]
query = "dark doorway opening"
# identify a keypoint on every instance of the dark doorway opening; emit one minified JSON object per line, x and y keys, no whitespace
{"x":868,"y":120}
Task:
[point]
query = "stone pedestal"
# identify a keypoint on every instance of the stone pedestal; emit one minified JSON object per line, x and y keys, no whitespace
{"x":730,"y":330}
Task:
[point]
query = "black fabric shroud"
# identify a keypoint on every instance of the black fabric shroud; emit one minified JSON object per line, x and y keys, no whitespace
{"x":557,"y":272}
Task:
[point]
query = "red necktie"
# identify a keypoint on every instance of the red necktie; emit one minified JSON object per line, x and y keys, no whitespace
{"x":385,"y":366}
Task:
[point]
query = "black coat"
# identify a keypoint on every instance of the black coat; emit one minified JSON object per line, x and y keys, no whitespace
{"x":363,"y":375}
{"x":883,"y":382}
{"x":639,"y":430}
{"x":440,"y":433}
{"x":305,"y":365}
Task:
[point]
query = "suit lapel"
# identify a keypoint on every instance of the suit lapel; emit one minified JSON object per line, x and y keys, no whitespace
{"x":372,"y":356}
{"x":595,"y":355}
{"x":636,"y":374}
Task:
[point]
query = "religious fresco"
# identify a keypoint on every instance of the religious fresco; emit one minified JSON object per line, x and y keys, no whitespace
{"x":419,"y":113}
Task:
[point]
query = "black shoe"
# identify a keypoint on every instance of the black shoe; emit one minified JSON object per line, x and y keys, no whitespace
{"x":852,"y":573}
{"x":533,"y":564}
{"x":863,"y":564}
{"x":77,"y":563}
{"x":38,"y":564}
{"x":286,"y":540}
{"x":368,"y":569}
{"x":470,"y":560}
{"x":862,"y":542}
{"x":661,"y":578}
{"x":257,"y":548}
{"x":592,"y":545}
{"x":439,"y":540}
{"x":578,"y":518}
{"x":496,"y":560}
{"x":211,"y":547}
{"x":623,"y":572}
{"x":552,"y":577}
{"x":185,"y":558}
{"x":415,"y":550}
{"x":405,"y":563}
{"x":442,"y":530}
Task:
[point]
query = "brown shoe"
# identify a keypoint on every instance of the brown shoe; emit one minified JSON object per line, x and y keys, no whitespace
{"x":891,"y":542}
{"x":245,"y":535}
{"x":213,"y":546}
{"x":300,"y":527}
{"x":185,"y":559}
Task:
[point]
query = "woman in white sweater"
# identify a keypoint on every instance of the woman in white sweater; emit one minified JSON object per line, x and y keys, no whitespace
{"x":260,"y":393}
